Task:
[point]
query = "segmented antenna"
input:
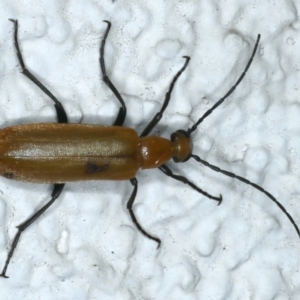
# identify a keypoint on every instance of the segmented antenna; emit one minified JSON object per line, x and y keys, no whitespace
{"x":194,"y":127}
{"x":232,"y":175}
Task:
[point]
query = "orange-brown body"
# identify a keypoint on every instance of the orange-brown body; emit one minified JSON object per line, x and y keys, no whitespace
{"x":58,"y":153}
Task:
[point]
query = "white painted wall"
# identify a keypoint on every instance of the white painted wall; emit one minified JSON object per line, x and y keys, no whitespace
{"x":85,"y":246}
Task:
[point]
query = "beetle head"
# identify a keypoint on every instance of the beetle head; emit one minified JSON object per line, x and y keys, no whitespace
{"x":182,"y":146}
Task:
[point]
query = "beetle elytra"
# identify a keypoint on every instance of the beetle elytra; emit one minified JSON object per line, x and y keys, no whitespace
{"x":60,"y":152}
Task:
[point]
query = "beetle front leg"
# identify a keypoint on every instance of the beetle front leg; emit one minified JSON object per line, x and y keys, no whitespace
{"x":182,"y":179}
{"x":134,"y":182}
{"x":55,"y":194}
{"x":159,"y":115}
{"x":122,"y":111}
{"x":60,"y":111}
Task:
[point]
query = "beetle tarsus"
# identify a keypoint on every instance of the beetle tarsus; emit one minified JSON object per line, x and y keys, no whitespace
{"x":158,"y":243}
{"x":3,"y":275}
{"x":221,"y":199}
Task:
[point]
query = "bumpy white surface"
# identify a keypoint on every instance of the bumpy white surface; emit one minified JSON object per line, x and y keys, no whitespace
{"x":85,"y":246}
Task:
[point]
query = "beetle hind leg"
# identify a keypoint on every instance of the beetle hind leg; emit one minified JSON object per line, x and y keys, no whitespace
{"x":122,"y":111}
{"x":134,"y":182}
{"x":60,"y":111}
{"x":55,"y":194}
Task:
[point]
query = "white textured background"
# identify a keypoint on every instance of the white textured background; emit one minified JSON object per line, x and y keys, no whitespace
{"x":85,"y":246}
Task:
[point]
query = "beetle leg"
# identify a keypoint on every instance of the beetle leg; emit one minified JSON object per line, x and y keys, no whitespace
{"x":182,"y":179}
{"x":55,"y":194}
{"x":60,"y":111}
{"x":122,"y":111}
{"x":159,"y":115}
{"x":134,"y":182}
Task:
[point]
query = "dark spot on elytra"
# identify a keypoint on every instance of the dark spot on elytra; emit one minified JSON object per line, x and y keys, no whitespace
{"x":93,"y":168}
{"x":8,"y":175}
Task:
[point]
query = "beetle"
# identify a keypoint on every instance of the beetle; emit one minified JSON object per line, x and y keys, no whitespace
{"x":60,"y":152}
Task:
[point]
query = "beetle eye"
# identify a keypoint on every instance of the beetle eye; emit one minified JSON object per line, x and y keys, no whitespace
{"x":176,"y":160}
{"x":180,"y":131}
{"x":183,"y":132}
{"x":173,"y":137}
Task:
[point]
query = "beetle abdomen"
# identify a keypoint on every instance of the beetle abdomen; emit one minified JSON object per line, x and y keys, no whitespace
{"x":57,"y":153}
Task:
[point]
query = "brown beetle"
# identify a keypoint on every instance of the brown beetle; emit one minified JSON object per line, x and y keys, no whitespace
{"x":61,"y":152}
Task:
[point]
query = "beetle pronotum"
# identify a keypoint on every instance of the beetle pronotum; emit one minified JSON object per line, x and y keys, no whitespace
{"x":61,"y":152}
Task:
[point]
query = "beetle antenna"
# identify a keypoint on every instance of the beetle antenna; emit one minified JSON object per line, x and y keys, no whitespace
{"x":194,"y":127}
{"x":232,"y":175}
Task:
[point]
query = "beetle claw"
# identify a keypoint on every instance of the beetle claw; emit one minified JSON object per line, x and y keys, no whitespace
{"x":221,"y":199}
{"x":158,"y":242}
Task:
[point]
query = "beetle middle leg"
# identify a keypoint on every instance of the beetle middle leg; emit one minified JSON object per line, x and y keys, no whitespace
{"x":55,"y":194}
{"x":60,"y":111}
{"x":134,"y":182}
{"x":119,"y":122}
